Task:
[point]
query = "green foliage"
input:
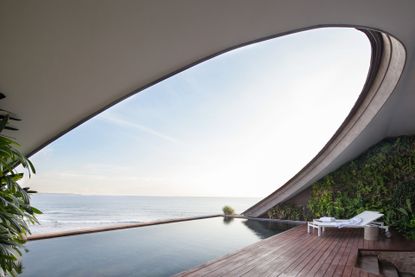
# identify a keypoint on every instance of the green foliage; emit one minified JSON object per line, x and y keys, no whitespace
{"x":227,"y":210}
{"x":15,"y":209}
{"x":381,"y":179}
{"x":289,"y":212}
{"x":406,"y":223}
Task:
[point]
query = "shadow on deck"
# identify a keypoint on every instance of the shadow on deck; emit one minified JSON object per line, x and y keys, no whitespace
{"x":296,"y":253}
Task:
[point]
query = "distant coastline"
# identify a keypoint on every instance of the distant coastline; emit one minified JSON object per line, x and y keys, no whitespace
{"x":134,"y":195}
{"x":62,"y":212}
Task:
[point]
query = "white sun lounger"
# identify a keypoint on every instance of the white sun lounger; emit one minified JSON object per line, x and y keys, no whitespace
{"x":359,"y":221}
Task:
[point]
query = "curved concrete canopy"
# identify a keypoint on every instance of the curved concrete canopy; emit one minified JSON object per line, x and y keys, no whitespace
{"x":388,"y":59}
{"x":64,"y":61}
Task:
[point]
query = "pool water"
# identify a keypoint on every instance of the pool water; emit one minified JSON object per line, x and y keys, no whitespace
{"x":158,"y":250}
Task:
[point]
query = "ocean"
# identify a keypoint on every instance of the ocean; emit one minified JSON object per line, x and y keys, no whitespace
{"x":72,"y":211}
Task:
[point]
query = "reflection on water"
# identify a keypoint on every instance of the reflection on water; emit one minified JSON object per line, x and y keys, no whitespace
{"x":159,"y":250}
{"x":227,"y":219}
{"x":265,"y":229}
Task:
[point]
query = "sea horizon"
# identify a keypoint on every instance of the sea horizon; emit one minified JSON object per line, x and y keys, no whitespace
{"x":62,"y":211}
{"x":140,"y":195}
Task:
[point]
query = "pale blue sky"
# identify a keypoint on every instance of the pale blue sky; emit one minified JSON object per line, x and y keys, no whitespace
{"x":240,"y":124}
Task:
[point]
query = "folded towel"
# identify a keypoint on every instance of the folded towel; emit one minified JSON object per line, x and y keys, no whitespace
{"x":351,"y":222}
{"x":327,"y":219}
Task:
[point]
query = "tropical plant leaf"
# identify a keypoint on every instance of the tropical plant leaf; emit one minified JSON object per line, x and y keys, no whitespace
{"x":402,"y":210}
{"x":408,"y":205}
{"x":15,"y":209}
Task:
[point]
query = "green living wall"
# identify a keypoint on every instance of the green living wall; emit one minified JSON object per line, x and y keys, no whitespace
{"x":381,"y":179}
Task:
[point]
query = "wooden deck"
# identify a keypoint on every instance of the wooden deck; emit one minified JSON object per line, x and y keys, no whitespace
{"x":296,"y":253}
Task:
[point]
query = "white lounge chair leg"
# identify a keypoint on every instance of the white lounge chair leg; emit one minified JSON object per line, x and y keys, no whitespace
{"x":319,"y":231}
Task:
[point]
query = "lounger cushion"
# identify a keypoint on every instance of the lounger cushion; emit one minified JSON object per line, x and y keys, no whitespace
{"x":327,"y":219}
{"x":355,"y":221}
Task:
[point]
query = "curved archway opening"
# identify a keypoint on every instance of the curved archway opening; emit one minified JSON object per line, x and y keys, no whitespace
{"x":237,"y":125}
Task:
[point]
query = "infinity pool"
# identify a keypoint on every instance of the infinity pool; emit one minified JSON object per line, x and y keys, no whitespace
{"x":158,"y":250}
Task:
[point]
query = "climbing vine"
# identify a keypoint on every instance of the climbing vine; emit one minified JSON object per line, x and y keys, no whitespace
{"x":381,"y":179}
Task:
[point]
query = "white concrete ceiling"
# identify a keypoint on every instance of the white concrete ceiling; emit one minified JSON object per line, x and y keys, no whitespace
{"x":63,"y":61}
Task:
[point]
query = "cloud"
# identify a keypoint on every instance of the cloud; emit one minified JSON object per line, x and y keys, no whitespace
{"x":114,"y":119}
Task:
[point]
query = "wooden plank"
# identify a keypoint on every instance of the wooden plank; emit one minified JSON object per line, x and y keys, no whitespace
{"x":293,"y":255}
{"x":324,"y":256}
{"x":306,"y":263}
{"x":341,"y":257}
{"x":356,"y":271}
{"x":343,"y":262}
{"x":296,"y":253}
{"x":278,"y":260}
{"x":352,"y":258}
{"x":324,"y":266}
